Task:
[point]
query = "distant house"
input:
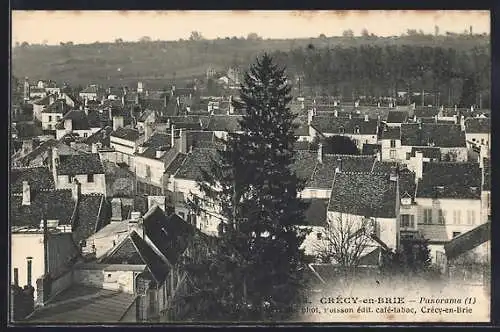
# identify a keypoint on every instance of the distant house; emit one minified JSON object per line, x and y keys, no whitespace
{"x":396,"y":118}
{"x":125,"y":141}
{"x":92,"y":92}
{"x":86,"y":169}
{"x":390,"y":141}
{"x":449,"y":138}
{"x":360,"y":130}
{"x":366,"y":198}
{"x":449,"y":200}
{"x":478,"y":132}
{"x":79,"y":122}
{"x":221,"y":125}
{"x":37,"y":93}
{"x":53,"y":113}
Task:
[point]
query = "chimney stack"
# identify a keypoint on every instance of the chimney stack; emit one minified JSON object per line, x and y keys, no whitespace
{"x":94,"y":148}
{"x":172,"y":136}
{"x":117,"y":122}
{"x":26,"y":194}
{"x":76,"y":190}
{"x":309,"y":116}
{"x":320,"y":153}
{"x":181,"y":146}
{"x":68,"y":124}
{"x":336,"y":113}
{"x":338,"y":169}
{"x":419,"y":156}
{"x":165,"y":100}
{"x":366,"y":117}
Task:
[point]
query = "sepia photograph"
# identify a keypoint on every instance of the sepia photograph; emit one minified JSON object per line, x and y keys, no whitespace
{"x":249,"y":167}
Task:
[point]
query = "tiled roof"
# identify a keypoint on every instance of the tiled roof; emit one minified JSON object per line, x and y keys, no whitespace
{"x":428,"y":152}
{"x":193,"y":137}
{"x":364,"y":194}
{"x":371,"y":149}
{"x":229,"y":123}
{"x":124,"y":253}
{"x":455,"y":180}
{"x":175,"y":164}
{"x":82,"y":304}
{"x":425,"y":134}
{"x":90,"y":218}
{"x":391,"y":133}
{"x":434,"y":233}
{"x":478,"y":125}
{"x":169,"y":234}
{"x":487,"y":174}
{"x":334,"y":125}
{"x":89,"y":163}
{"x":315,"y":214}
{"x":397,"y":117}
{"x":81,"y":120}
{"x":101,"y":136}
{"x":194,"y":162}
{"x":60,"y":206}
{"x":129,"y":134}
{"x":425,"y":112}
{"x":37,"y":177}
{"x":324,"y":172}
{"x":468,"y":241}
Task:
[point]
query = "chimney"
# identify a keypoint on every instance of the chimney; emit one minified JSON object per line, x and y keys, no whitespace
{"x":51,"y":99}
{"x":190,"y":149}
{"x":356,"y":103}
{"x":336,"y":113}
{"x":419,"y":167}
{"x":117,"y":122}
{"x":309,"y":116}
{"x":123,"y":100}
{"x":116,"y":210}
{"x":172,"y":136}
{"x":94,"y":148}
{"x":147,"y":131}
{"x":350,"y":115}
{"x":231,"y":108}
{"x":366,"y":117}
{"x":29,"y":261}
{"x":26,"y":193}
{"x":165,"y":100}
{"x":178,"y":100}
{"x":68,"y":124}
{"x":320,"y":153}
{"x":182,"y":142}
{"x":462,"y":122}
{"x":338,"y":169}
{"x":110,"y":112}
{"x":76,"y":190}
{"x":55,"y":157}
{"x":159,"y":153}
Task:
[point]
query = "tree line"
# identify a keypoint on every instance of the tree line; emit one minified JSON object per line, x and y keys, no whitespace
{"x":452,"y":76}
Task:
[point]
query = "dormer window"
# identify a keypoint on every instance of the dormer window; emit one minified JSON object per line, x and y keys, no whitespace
{"x":341,"y":129}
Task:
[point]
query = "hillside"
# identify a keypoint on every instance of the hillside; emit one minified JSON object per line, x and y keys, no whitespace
{"x":158,"y":62}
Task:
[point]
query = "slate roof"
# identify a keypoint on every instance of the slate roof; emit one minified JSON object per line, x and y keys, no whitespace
{"x":428,"y":152}
{"x":80,"y":120}
{"x":89,"y":163}
{"x":364,"y":194}
{"x":175,"y":164}
{"x":60,"y":206}
{"x":194,"y":162}
{"x":316,"y":212}
{"x":193,"y":137}
{"x":456,"y":180}
{"x":101,"y":136}
{"x":391,"y":133}
{"x":228,"y":123}
{"x":90,"y":218}
{"x":487,"y":174}
{"x":324,"y":172}
{"x":441,"y":135}
{"x":425,"y":112}
{"x":468,"y":241}
{"x":169,"y":234}
{"x":83,"y":304}
{"x":397,"y":117}
{"x":334,"y":125}
{"x":38,"y":178}
{"x":371,"y":149}
{"x":478,"y":125}
{"x":129,"y":134}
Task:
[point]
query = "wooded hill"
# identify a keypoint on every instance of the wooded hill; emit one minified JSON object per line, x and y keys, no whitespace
{"x":345,"y":65}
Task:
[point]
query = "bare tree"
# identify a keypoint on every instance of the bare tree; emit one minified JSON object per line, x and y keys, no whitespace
{"x":347,"y":240}
{"x":348,"y":33}
{"x":196,"y":36}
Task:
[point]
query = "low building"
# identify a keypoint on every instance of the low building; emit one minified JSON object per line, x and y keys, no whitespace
{"x":83,"y":123}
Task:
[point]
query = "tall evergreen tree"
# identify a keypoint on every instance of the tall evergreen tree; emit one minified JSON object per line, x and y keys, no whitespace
{"x":257,"y":271}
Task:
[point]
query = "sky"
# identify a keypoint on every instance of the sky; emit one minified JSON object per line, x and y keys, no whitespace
{"x":81,"y":27}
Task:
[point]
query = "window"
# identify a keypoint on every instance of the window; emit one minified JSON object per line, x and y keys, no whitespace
{"x":442,"y":217}
{"x":408,"y":155}
{"x":392,"y":154}
{"x":407,"y":221}
{"x":427,"y":216}
{"x":85,"y":134}
{"x":393,"y":143}
{"x":148,"y":171}
{"x":455,"y":234}
{"x":482,"y":140}
{"x":457,"y":217}
{"x":318,"y":236}
{"x":50,"y":118}
{"x":473,"y":139}
{"x":70,"y":178}
{"x":471,"y":217}
{"x":90,"y":178}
